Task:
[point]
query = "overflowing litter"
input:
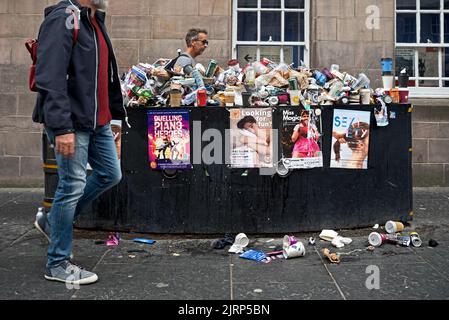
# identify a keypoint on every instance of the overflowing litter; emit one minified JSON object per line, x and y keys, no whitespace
{"x":261,"y":83}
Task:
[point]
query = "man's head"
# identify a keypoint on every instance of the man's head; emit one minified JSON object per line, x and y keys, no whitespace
{"x":95,"y":4}
{"x":196,"y":41}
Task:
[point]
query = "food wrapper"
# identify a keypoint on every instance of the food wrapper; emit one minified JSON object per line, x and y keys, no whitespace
{"x":303,"y":78}
{"x":278,"y":81}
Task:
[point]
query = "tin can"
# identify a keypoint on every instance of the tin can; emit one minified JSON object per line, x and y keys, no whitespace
{"x":403,"y":240}
{"x":327,"y":73}
{"x":320,"y":78}
{"x":211,"y":68}
{"x":201,"y":98}
{"x":198,"y":78}
{"x":293,"y":83}
{"x":377,"y":239}
{"x":273,"y":101}
{"x":415,"y":239}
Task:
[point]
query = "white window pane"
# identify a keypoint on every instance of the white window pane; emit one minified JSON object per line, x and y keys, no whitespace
{"x":406,"y":4}
{"x":428,"y":62}
{"x":271,"y":4}
{"x":446,"y":28}
{"x":406,"y":27}
{"x":271,"y":52}
{"x":430,"y":28}
{"x":294,"y":55}
{"x":405,"y":58}
{"x":430,"y":4}
{"x":248,"y":52}
{"x":295,"y":4}
{"x":446,"y":66}
{"x":429,"y":83}
{"x":247,"y":4}
{"x":247,"y":26}
{"x":294,"y":26}
{"x":270,"y":26}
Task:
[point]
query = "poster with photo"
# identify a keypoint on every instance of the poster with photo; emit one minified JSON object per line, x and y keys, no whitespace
{"x":169,"y":139}
{"x":251,"y":138}
{"x":350,"y":139}
{"x":301,"y":140}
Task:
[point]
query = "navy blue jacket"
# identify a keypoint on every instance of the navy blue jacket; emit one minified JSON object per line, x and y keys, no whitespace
{"x":66,"y":73}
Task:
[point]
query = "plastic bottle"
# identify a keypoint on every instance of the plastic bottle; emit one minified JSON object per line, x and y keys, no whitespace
{"x":196,"y":75}
{"x":250,"y":74}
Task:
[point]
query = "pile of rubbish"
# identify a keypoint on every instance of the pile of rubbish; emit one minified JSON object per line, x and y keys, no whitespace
{"x":260,"y":84}
{"x":292,"y":247}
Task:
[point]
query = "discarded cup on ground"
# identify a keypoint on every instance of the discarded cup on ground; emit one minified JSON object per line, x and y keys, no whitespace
{"x":240,"y":242}
{"x":415,"y":239}
{"x":294,"y":251}
{"x":393,"y":226}
{"x":289,"y":241}
{"x":377,"y":239}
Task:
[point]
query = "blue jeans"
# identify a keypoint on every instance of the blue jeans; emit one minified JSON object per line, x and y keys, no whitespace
{"x":75,"y":191}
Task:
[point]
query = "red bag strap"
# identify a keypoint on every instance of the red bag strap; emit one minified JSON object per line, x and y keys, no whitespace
{"x":31,"y":44}
{"x":76,"y":27}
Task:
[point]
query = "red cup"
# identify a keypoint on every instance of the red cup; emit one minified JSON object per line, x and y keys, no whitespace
{"x":403,"y":95}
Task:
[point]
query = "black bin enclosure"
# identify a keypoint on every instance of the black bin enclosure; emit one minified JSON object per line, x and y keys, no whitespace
{"x":214,"y":199}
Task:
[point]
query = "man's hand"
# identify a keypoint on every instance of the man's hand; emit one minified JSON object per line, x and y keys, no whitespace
{"x":65,"y":145}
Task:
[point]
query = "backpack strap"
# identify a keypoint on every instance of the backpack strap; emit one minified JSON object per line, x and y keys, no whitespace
{"x":76,"y":27}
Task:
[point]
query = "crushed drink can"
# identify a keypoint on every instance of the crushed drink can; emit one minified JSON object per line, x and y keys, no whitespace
{"x":273,"y":101}
{"x":293,"y":83}
{"x":211,"y":69}
{"x":415,"y":239}
{"x":377,"y":239}
{"x":403,"y":240}
{"x":320,"y":78}
{"x":198,"y":78}
{"x":201,"y":98}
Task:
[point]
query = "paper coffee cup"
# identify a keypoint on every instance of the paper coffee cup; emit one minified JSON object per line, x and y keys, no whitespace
{"x":365,"y":96}
{"x":294,"y":251}
{"x":240,"y":242}
{"x":289,"y":241}
{"x":393,"y":226}
{"x":294,"y":98}
{"x":388,"y":82}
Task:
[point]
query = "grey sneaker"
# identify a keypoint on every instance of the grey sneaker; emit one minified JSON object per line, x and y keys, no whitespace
{"x":70,"y":273}
{"x":41,"y":224}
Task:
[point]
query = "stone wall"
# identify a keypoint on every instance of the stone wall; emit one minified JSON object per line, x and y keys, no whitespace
{"x":141,"y":31}
{"x":431,"y":143}
{"x":145,"y":30}
{"x":339,"y":34}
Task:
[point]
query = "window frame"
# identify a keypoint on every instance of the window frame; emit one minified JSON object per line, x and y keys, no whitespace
{"x":258,"y":44}
{"x":417,"y":91}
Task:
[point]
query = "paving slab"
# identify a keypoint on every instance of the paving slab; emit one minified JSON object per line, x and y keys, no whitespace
{"x":181,"y":267}
{"x":397,"y":282}
{"x":168,"y":278}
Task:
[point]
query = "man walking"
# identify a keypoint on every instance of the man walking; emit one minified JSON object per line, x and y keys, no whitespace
{"x":78,"y":95}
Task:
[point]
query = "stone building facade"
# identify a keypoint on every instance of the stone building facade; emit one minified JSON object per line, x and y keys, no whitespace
{"x":144,"y":30}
